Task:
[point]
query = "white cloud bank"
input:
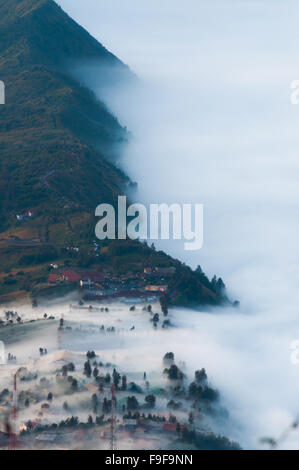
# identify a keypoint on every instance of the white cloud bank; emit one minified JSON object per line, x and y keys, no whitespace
{"x":214,"y":125}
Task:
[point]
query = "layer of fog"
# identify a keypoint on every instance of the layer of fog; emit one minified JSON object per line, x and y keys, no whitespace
{"x":132,"y":352}
{"x":243,"y":380}
{"x":214,"y":125}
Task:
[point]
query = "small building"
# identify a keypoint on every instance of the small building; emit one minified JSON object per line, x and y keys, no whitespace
{"x":148,"y":270}
{"x":130,"y":424}
{"x":71,"y":276}
{"x":165,"y":271}
{"x":27,"y":215}
{"x":54,"y":278}
{"x":46,"y":437}
{"x":134,"y":296}
{"x":153,"y":288}
{"x":92,"y":388}
{"x":92,"y":276}
{"x":152,"y":427}
{"x":45,"y":407}
{"x":54,"y":266}
{"x":74,"y":275}
{"x":172,"y":427}
{"x":85,"y":278}
{"x":86,"y":284}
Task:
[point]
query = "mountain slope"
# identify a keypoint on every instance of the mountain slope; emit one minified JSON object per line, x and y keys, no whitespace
{"x":58,"y":146}
{"x":41,"y":32}
{"x":50,"y":122}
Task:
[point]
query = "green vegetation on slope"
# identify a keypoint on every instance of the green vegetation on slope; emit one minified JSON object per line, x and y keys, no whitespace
{"x":50,"y":121}
{"x":57,"y":148}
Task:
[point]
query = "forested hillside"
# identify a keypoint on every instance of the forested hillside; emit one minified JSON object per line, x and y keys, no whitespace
{"x":58,"y":151}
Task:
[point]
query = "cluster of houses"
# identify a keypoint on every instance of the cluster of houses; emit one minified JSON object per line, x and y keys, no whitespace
{"x":27,"y":215}
{"x":130,"y":288}
{"x":145,"y":429}
{"x":81,"y":277}
{"x":160,"y":271}
{"x":158,"y":424}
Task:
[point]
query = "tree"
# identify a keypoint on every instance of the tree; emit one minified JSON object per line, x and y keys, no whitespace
{"x":74,"y":385}
{"x":174,"y":405}
{"x":201,"y":376}
{"x":95,"y":372}
{"x":156,"y":318}
{"x":210,"y":394}
{"x":132,"y":403}
{"x":107,"y":406}
{"x":94,"y":403}
{"x":71,"y":367}
{"x":100,"y":420}
{"x":91,"y":355}
{"x":220,"y":286}
{"x":50,"y":396}
{"x":193,"y":391}
{"x":173,"y":372}
{"x":87,"y":369}
{"x":191,"y":418}
{"x":164,"y":301}
{"x":168,"y":358}
{"x":116,"y":378}
{"x":124,"y":383}
{"x":202,"y":277}
{"x":4,"y":394}
{"x":150,"y":400}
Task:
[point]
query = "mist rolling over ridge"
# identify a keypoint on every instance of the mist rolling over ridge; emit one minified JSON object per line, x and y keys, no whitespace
{"x":212,"y":123}
{"x":112,"y":342}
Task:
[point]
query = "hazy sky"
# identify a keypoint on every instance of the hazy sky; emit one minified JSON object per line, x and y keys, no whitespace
{"x":214,"y":125}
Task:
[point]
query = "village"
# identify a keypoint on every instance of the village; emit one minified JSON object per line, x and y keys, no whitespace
{"x":75,"y":380}
{"x":146,"y":286}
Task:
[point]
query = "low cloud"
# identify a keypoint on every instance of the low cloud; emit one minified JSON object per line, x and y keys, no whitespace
{"x":213,"y":124}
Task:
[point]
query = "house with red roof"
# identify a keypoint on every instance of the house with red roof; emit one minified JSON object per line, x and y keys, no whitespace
{"x":75,"y":276}
{"x":54,"y":278}
{"x":172,"y":427}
